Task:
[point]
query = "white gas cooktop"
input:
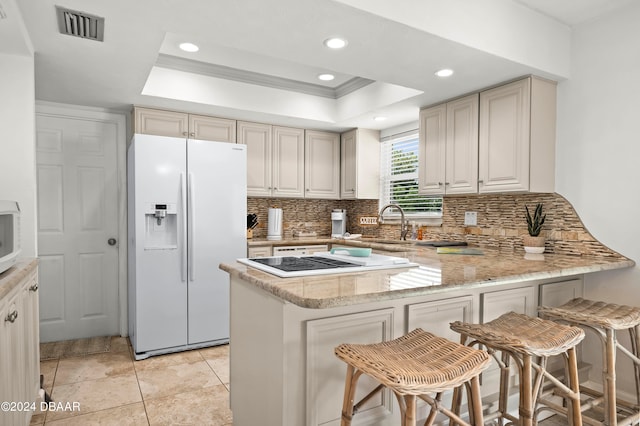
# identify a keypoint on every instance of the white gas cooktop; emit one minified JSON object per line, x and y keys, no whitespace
{"x":324,"y":263}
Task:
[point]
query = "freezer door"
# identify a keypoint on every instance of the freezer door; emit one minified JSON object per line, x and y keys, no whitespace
{"x":217,"y":200}
{"x":159,"y":287}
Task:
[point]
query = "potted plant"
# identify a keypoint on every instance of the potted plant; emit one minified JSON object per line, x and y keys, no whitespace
{"x":534,"y":242}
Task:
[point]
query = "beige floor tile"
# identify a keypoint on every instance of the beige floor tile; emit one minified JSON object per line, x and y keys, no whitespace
{"x":91,"y":367}
{"x":119,"y":344}
{"x":95,"y":395}
{"x":218,"y":360}
{"x":164,"y":361}
{"x":126,"y":415}
{"x":173,"y":379}
{"x":202,"y":407}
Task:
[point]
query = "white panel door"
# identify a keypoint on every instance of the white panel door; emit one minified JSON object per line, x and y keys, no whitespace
{"x":77,"y":215}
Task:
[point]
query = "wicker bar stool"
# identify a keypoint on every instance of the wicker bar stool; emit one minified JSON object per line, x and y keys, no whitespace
{"x":605,"y":319}
{"x":413,"y":366}
{"x":528,"y":341}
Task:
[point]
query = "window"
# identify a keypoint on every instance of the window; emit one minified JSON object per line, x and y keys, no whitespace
{"x":399,"y":179}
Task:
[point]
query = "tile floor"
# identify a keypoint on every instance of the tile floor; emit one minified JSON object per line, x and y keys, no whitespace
{"x":186,"y":388}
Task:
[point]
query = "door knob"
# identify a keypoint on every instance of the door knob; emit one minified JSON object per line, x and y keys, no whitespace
{"x":111,"y":241}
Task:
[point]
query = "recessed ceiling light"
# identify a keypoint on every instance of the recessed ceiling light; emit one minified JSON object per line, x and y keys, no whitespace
{"x":379,"y":118}
{"x":446,"y":72}
{"x":326,"y":77}
{"x":335,"y":43}
{"x":189,"y":47}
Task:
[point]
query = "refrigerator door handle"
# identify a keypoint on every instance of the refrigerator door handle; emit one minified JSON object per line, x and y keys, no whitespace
{"x":183,"y":246}
{"x":190,"y":225}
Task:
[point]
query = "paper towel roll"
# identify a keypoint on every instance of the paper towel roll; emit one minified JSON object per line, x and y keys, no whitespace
{"x":274,"y":224}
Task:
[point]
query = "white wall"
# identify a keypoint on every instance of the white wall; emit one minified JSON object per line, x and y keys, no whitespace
{"x":17,"y":147}
{"x":598,"y":147}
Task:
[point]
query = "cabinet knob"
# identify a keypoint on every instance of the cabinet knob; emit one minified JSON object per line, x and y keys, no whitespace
{"x":34,"y":287}
{"x":480,"y":182}
{"x":185,"y":134}
{"x":446,"y":183}
{"x":12,"y":317}
{"x":307,"y":189}
{"x":192,"y":134}
{"x":439,"y":183}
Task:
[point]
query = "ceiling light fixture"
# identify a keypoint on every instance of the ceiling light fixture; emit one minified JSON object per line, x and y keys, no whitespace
{"x":189,"y":47}
{"x":326,"y":77}
{"x":446,"y":72}
{"x":335,"y":43}
{"x":379,"y":118}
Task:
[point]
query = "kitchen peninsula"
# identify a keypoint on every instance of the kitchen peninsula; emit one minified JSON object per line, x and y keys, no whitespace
{"x":283,"y":331}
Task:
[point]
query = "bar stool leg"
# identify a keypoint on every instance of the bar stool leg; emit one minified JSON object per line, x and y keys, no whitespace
{"x":410,"y":411}
{"x":349,"y":393}
{"x":609,"y":379}
{"x":574,"y":412}
{"x":475,"y":402}
{"x":634,"y":334}
{"x":526,"y":401}
{"x":503,"y":399}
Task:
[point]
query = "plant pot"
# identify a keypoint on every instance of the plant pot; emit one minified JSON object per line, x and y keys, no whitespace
{"x":533,"y":244}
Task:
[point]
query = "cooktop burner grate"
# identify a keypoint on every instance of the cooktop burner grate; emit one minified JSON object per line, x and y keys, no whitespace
{"x":307,"y":263}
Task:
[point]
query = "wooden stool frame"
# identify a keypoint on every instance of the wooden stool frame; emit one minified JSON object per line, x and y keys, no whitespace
{"x":532,"y":366}
{"x":592,"y":316}
{"x":415,"y":366}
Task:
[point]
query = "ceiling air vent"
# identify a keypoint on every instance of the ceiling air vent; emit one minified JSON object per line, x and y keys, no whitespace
{"x":80,"y":24}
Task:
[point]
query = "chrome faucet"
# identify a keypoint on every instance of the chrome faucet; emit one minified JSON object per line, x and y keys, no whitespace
{"x":404,"y":229}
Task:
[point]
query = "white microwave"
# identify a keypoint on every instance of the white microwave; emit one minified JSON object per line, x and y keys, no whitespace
{"x":9,"y":234}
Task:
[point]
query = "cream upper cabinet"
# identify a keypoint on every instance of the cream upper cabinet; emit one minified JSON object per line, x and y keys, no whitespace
{"x":517,"y":137}
{"x":257,"y":137}
{"x":449,"y":148}
{"x":322,"y":165}
{"x":178,"y":124}
{"x":360,"y":164}
{"x":216,"y":129}
{"x":288,"y":162}
{"x":275,"y":160}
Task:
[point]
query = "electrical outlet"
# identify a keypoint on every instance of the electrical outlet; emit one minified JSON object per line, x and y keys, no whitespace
{"x":368,"y":220}
{"x":470,"y":218}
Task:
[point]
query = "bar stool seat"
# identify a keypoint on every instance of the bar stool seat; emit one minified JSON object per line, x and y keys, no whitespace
{"x":605,"y":319}
{"x":413,"y":366}
{"x":522,"y":338}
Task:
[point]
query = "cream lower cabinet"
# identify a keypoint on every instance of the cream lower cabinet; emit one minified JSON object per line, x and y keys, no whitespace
{"x":517,"y":137}
{"x":259,"y":251}
{"x":326,"y":374}
{"x":322,"y":165}
{"x":360,"y":164}
{"x":178,"y":124}
{"x":275,"y":160}
{"x":436,"y":315}
{"x":20,"y":360}
{"x":448,"y":159}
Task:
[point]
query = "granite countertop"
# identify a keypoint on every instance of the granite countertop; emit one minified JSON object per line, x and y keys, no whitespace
{"x":435,"y":273}
{"x":10,"y":278}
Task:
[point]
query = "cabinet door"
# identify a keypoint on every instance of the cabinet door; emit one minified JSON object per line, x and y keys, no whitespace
{"x":348,"y":165}
{"x":326,"y":373}
{"x":257,"y":137}
{"x":504,"y":138}
{"x":162,"y":123}
{"x":435,"y":316}
{"x":288,"y":162}
{"x":212,"y":128}
{"x":32,"y":338}
{"x":462,"y":146}
{"x":322,"y":165}
{"x":432,"y":151}
{"x":12,"y":362}
{"x":261,"y":251}
{"x":496,"y":303}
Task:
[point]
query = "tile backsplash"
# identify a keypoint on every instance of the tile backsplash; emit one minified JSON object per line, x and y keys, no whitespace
{"x":500,"y":221}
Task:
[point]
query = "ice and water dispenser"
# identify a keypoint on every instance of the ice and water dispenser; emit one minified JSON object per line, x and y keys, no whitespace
{"x":161,"y":226}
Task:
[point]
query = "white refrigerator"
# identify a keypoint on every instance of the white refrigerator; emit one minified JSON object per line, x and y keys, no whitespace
{"x":186,"y":214}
